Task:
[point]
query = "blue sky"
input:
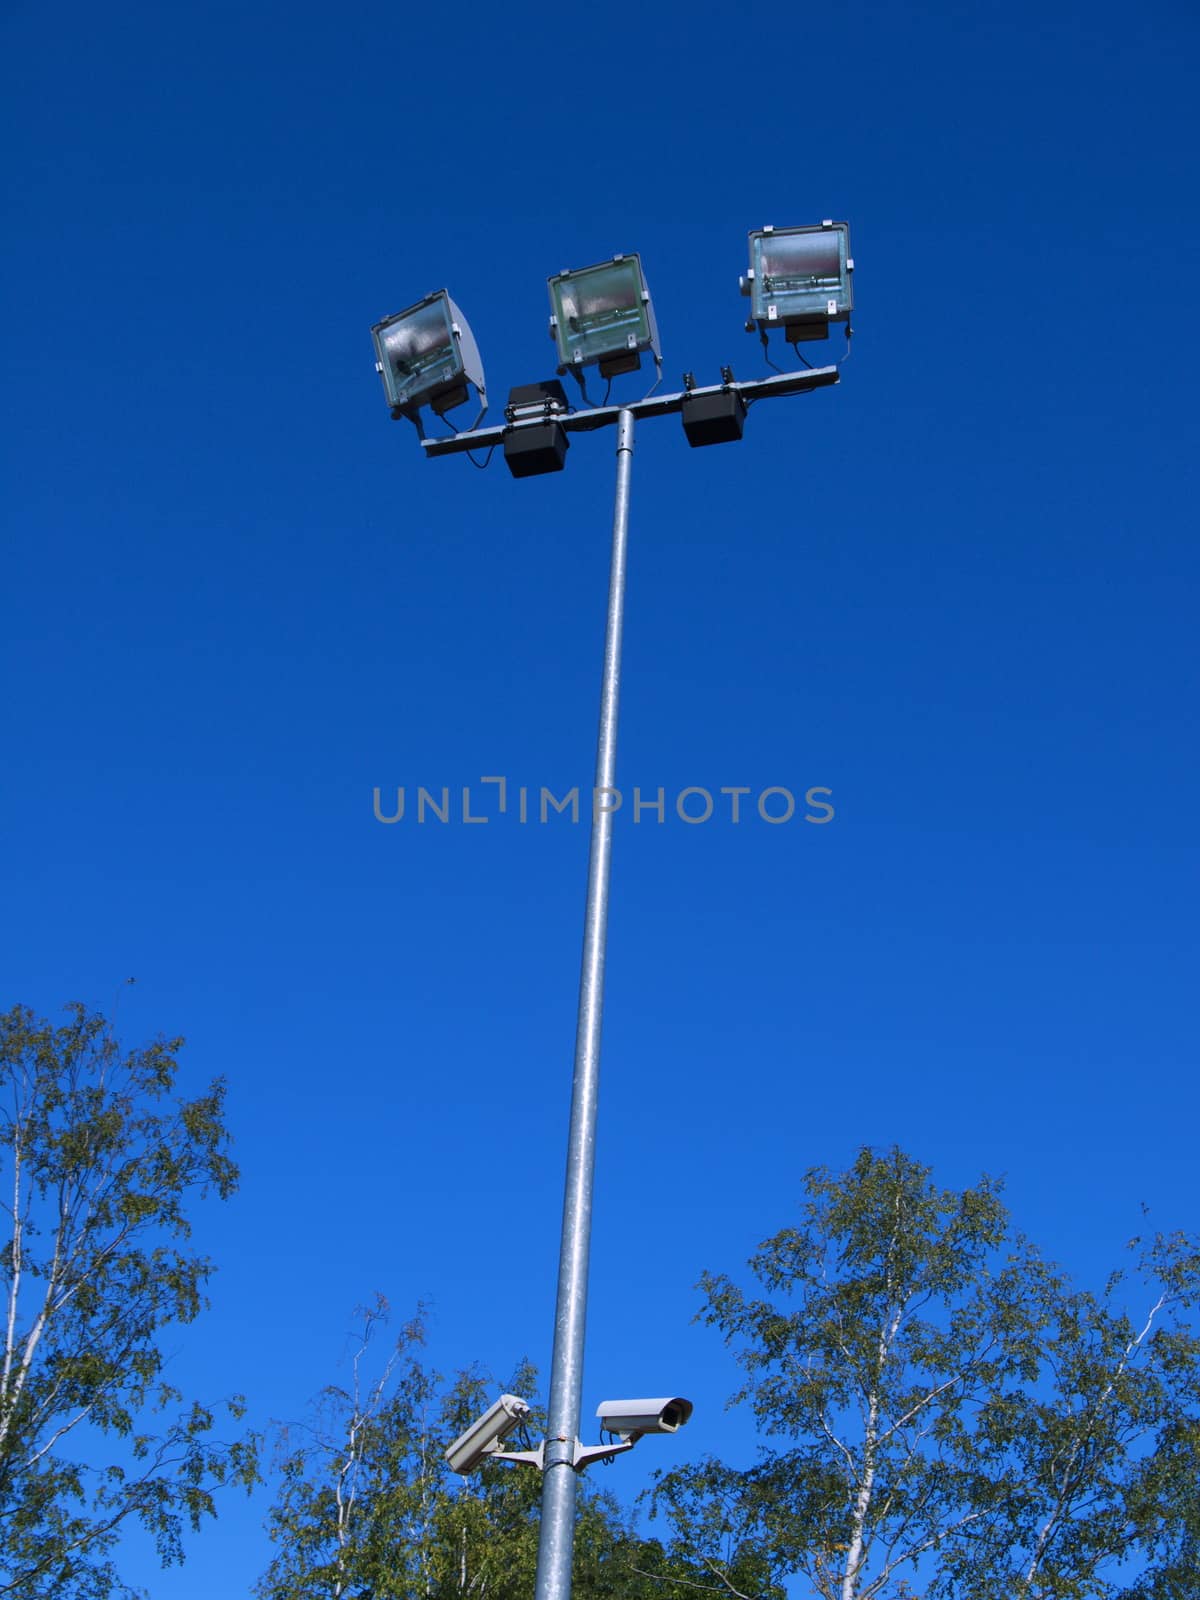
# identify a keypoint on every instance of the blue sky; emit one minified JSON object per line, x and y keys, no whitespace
{"x":959,"y":591}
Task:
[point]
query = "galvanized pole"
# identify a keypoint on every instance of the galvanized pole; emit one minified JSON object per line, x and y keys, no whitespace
{"x":557,"y":1537}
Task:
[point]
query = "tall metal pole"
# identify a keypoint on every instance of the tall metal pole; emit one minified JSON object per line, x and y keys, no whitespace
{"x":557,"y":1537}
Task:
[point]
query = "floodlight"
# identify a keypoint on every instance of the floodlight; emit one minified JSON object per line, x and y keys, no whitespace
{"x":427,"y":355}
{"x":799,"y":279}
{"x":603,"y":314}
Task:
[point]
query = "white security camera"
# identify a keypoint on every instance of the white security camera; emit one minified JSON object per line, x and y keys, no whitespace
{"x":484,"y":1437}
{"x":630,"y":1419}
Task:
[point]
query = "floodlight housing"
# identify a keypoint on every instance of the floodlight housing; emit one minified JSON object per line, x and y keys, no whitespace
{"x":603,"y":314}
{"x":427,"y":355}
{"x":800,"y":279}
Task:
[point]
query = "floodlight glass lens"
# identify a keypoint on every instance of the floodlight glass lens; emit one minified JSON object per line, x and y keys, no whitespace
{"x":801,"y":261}
{"x":598,"y":309}
{"x":419,"y":351}
{"x":603,"y":295}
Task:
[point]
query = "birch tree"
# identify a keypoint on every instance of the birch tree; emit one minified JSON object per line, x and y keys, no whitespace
{"x":359,"y":1479}
{"x":99,"y":1162}
{"x":945,"y":1415}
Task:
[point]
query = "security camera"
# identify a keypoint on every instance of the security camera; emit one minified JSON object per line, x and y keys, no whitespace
{"x":630,"y":1419}
{"x":484,"y":1437}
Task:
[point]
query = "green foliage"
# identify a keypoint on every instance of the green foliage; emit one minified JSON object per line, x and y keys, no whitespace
{"x":949,"y":1417}
{"x":369,"y":1509}
{"x":98,"y":1164}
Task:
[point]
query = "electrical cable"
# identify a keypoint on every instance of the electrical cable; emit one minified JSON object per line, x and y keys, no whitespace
{"x":762,"y":335}
{"x":753,"y":400}
{"x":577,"y":374}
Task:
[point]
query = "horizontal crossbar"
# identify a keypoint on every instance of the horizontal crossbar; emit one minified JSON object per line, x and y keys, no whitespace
{"x":654,"y":406}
